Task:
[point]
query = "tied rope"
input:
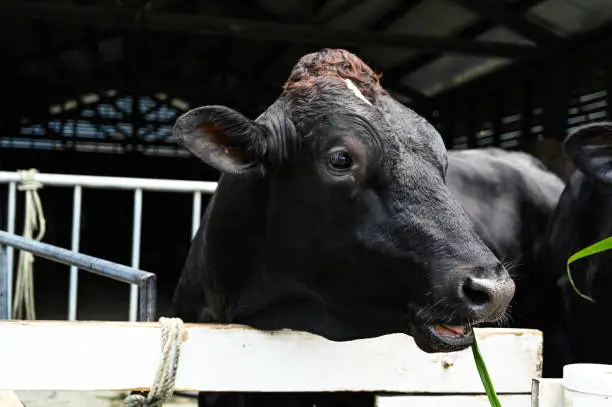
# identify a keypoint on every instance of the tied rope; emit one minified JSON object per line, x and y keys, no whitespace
{"x":173,"y":335}
{"x":23,"y":305}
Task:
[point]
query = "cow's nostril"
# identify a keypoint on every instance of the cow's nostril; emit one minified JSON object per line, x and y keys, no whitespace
{"x":476,"y":292}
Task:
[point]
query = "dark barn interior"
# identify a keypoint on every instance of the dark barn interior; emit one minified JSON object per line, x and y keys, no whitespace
{"x":93,"y":88}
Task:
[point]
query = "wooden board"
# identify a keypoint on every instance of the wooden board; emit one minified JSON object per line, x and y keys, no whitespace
{"x":468,"y":400}
{"x":9,"y":399}
{"x":88,"y":399}
{"x":65,"y":355}
{"x":547,"y":392}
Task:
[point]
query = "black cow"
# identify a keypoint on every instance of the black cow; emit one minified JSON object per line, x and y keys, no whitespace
{"x":332,"y":216}
{"x":510,"y":196}
{"x":583,"y":217}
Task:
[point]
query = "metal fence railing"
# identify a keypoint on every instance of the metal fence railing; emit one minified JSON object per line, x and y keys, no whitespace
{"x":145,"y":281}
{"x":77,"y":182}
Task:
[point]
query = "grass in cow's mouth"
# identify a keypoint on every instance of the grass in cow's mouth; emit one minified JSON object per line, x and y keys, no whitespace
{"x":484,"y":375}
{"x":601,"y":246}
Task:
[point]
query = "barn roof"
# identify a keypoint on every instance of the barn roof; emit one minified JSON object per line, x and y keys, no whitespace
{"x":129,"y":68}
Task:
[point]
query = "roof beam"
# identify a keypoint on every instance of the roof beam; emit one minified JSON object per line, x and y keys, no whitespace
{"x":494,"y":10}
{"x":584,"y":45}
{"x":275,"y":52}
{"x":324,"y":19}
{"x":395,"y":15}
{"x":390,"y":18}
{"x":417,"y":62}
{"x":413,"y":64}
{"x":242,"y":28}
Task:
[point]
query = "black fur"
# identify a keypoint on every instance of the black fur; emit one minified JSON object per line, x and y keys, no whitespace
{"x":382,"y":247}
{"x":583,"y":217}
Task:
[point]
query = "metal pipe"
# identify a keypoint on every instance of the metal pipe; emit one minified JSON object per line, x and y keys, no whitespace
{"x":92,"y":264}
{"x":197,"y":213}
{"x":4,"y":304}
{"x":74,"y":271}
{"x":79,"y":261}
{"x":89,"y":181}
{"x":136,"y":229}
{"x":148,"y":300}
{"x":10,"y":251}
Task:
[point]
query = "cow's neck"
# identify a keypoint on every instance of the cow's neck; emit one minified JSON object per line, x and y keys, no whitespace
{"x":234,"y":242}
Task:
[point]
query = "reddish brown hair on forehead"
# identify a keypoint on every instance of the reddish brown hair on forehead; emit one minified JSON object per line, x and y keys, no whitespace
{"x":334,"y":62}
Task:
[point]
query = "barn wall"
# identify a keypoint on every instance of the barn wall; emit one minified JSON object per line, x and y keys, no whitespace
{"x":526,"y":107}
{"x":531,"y":106}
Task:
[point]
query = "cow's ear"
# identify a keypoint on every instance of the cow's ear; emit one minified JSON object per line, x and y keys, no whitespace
{"x":222,"y":138}
{"x":590,"y":149}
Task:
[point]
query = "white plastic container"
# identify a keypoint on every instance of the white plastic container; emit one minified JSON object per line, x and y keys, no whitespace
{"x":587,"y":385}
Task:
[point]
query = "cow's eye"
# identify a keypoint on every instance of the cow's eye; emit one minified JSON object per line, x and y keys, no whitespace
{"x":340,"y":160}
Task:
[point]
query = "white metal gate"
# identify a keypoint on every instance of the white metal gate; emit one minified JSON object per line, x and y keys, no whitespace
{"x":77,"y":182}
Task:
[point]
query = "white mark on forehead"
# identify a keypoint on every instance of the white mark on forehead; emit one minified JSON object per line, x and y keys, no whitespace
{"x":355,"y":90}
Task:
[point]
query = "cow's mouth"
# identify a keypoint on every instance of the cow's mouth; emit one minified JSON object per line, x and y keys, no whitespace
{"x":442,"y":337}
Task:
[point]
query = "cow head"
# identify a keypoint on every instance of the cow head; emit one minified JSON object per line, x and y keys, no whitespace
{"x":589,"y":147}
{"x":358,"y":214}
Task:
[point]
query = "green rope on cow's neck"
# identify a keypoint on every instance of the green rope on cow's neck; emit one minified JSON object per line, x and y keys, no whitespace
{"x":601,"y":246}
{"x":484,"y":375}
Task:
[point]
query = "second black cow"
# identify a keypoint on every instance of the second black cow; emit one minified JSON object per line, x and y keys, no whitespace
{"x":582,"y":218}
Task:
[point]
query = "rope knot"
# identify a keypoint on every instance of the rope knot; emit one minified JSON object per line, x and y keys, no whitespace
{"x":28,"y":180}
{"x":173,"y":335}
{"x":135,"y":400}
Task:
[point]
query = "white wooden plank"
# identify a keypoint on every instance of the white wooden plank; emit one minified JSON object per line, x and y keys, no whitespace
{"x":88,"y":399}
{"x":9,"y":399}
{"x":468,"y":400}
{"x":547,"y":392}
{"x":81,"y":355}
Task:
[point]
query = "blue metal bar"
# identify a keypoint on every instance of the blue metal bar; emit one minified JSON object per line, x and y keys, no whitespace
{"x":94,"y":265}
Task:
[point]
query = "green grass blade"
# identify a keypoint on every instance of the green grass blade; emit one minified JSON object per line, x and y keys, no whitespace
{"x":484,"y":375}
{"x":601,"y":246}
